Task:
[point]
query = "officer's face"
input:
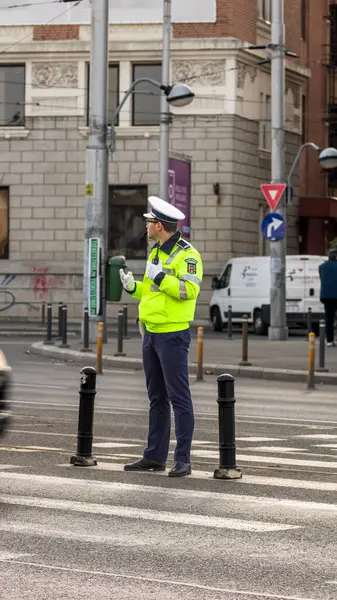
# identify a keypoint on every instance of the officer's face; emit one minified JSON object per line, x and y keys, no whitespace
{"x":153,"y":228}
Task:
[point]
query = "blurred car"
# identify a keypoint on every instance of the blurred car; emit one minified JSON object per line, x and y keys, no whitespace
{"x":5,"y":386}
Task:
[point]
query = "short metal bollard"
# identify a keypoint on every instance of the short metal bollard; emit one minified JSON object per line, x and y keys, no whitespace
{"x":125,"y":322}
{"x":84,"y":457}
{"x":49,"y":338}
{"x":309,"y":320}
{"x":99,"y":348}
{"x":200,"y":354}
{"x":245,"y":362}
{"x":86,"y":331}
{"x":64,"y":343}
{"x":229,"y":323}
{"x":120,"y":334}
{"x":226,"y":400}
{"x":322,"y":368}
{"x":43,"y":313}
{"x":60,"y":317}
{"x":311,"y":362}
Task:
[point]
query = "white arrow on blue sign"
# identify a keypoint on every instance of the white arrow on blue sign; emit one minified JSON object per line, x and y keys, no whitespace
{"x":273,"y":227}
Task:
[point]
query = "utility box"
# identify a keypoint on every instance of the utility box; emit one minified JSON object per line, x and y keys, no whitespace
{"x":114,"y":285}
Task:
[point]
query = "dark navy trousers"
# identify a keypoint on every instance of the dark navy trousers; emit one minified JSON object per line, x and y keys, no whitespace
{"x":165,"y":357}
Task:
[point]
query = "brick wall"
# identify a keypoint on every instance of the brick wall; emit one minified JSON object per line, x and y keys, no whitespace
{"x":238,"y":18}
{"x":55,"y":32}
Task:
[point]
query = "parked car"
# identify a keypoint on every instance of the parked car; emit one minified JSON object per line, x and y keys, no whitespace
{"x":5,"y":385}
{"x":244,"y":285}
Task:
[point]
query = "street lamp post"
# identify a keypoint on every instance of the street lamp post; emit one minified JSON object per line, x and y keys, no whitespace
{"x":327,"y":159}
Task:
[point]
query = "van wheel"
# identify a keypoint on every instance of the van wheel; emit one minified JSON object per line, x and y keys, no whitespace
{"x":260,"y":327}
{"x":216,"y":319}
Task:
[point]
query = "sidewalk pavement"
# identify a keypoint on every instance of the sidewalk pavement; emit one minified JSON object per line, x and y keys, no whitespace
{"x":283,"y":361}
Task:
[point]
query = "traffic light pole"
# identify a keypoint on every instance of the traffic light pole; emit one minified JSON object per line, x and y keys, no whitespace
{"x":164,"y":106}
{"x":96,"y":189}
{"x":278,"y":324}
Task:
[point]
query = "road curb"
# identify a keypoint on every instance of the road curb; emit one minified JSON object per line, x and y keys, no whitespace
{"x":27,"y":333}
{"x":268,"y":374}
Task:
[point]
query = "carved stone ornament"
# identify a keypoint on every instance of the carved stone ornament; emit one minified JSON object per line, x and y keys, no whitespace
{"x":296,"y":91}
{"x":242,"y":71}
{"x":55,"y":74}
{"x":203,"y":73}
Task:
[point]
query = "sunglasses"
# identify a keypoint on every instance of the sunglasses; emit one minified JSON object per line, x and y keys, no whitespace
{"x":151,"y":221}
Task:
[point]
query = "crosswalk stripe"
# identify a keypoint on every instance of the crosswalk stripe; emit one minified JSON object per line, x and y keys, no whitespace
{"x":270,"y":459}
{"x":250,"y":479}
{"x":135,"y":513}
{"x":163,"y":582}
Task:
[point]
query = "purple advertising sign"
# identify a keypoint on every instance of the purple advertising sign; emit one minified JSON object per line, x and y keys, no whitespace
{"x":179,"y":192}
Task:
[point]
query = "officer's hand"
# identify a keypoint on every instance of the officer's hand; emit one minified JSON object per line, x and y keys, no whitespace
{"x":153,"y":270}
{"x":127,"y":280}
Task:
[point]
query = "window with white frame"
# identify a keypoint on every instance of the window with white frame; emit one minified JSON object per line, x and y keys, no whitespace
{"x":12,"y":95}
{"x":265,"y":122}
{"x":265,"y":10}
{"x":146,"y":97}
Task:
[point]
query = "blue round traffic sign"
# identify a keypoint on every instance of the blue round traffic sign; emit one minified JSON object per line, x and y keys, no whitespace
{"x":273,"y":227}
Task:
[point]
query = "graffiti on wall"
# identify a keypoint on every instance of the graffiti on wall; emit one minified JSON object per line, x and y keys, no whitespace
{"x":36,"y":286}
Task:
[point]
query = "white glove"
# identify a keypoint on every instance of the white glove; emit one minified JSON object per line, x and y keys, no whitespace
{"x":153,"y":270}
{"x":127,"y":280}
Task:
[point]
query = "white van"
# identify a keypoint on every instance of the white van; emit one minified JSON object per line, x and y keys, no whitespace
{"x":244,"y":285}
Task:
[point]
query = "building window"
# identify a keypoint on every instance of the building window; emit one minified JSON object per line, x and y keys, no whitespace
{"x":146,"y":98}
{"x":304,"y":119}
{"x":4,"y":223}
{"x":127,"y":232}
{"x":265,"y":10}
{"x":113,"y":92}
{"x":265,"y":122}
{"x":12,"y":95}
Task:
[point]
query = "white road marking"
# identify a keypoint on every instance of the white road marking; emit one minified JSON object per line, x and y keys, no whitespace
{"x":39,"y":385}
{"x":270,"y":459}
{"x":325,"y":445}
{"x":3,"y":467}
{"x":279,"y":449}
{"x":164,"y":582}
{"x":5,"y":556}
{"x":247,"y":479}
{"x":128,"y":512}
{"x":317,"y":436}
{"x":114,"y":445}
{"x":259,"y":439}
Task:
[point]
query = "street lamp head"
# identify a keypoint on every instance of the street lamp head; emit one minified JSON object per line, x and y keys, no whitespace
{"x":328,"y":158}
{"x":179,"y":94}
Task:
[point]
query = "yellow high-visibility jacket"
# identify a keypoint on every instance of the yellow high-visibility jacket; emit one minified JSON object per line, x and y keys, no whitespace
{"x":168,"y":304}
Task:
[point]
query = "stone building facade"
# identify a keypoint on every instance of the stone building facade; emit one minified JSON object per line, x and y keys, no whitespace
{"x":225,"y":134}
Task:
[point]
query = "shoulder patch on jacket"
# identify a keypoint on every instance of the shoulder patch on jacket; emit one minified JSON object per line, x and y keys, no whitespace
{"x":183,"y":244}
{"x":191,"y":265}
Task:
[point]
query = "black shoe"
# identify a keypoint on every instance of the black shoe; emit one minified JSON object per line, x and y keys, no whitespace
{"x":180,"y":469}
{"x":143,"y":464}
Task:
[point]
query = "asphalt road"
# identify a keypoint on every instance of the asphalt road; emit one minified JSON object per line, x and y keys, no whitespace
{"x":98,"y":532}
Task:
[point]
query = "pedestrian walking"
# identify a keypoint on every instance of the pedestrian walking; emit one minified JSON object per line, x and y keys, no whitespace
{"x":328,"y":294}
{"x":167,"y":295}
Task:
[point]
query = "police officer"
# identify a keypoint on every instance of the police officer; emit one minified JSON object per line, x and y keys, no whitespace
{"x":168,"y":295}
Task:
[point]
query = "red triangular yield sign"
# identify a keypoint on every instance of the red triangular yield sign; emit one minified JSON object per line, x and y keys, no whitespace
{"x":273,"y":193}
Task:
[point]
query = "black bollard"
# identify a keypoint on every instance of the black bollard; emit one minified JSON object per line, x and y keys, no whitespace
{"x":49,"y":341}
{"x":83,"y":457}
{"x":309,"y":320}
{"x":64,"y":327}
{"x":125,"y":322}
{"x":60,"y":316}
{"x":43,"y":313}
{"x":230,"y":323}
{"x":120,"y":334}
{"x":322,"y":368}
{"x":86,"y":331}
{"x":227,"y":449}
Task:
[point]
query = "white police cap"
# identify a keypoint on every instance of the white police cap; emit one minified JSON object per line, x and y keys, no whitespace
{"x":164,"y":211}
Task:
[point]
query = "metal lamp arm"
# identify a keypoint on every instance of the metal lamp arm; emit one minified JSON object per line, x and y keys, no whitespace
{"x":130,"y":90}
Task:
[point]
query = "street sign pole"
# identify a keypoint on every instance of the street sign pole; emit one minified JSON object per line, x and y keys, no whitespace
{"x":278,"y":324}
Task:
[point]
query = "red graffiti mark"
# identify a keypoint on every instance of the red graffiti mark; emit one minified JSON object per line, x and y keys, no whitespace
{"x":40,"y":288}
{"x":43,"y":284}
{"x":40,"y":269}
